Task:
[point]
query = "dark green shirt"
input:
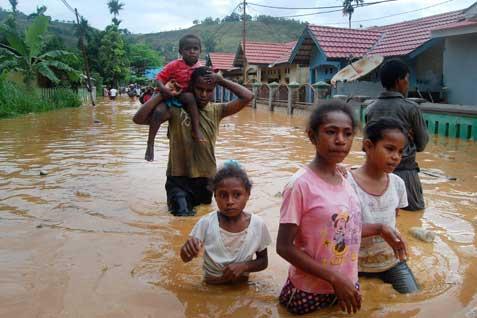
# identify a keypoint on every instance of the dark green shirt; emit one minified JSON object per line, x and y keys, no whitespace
{"x":393,"y":104}
{"x":188,"y":158}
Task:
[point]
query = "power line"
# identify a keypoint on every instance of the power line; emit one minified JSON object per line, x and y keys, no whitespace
{"x":397,"y":14}
{"x":67,"y":5}
{"x":317,"y":8}
{"x":308,"y":14}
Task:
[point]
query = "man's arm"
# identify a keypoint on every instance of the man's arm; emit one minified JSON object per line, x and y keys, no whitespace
{"x":244,"y":95}
{"x":144,"y":112}
{"x":419,"y":132}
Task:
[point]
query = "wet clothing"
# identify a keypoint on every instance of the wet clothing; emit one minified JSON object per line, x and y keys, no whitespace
{"x":375,"y":254}
{"x":222,"y":247}
{"x":184,"y":193}
{"x":179,"y":71}
{"x":400,"y":276}
{"x":191,"y":164}
{"x":188,"y":158}
{"x":329,"y":227}
{"x":393,"y":104}
{"x":300,"y":302}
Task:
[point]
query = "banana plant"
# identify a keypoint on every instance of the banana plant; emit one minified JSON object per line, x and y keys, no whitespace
{"x":23,"y":54}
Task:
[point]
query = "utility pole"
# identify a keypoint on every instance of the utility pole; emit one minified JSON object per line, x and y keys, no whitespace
{"x":89,"y":87}
{"x":244,"y":40}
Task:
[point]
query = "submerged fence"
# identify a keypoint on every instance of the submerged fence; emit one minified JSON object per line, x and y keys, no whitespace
{"x":82,"y":93}
{"x":452,"y":121}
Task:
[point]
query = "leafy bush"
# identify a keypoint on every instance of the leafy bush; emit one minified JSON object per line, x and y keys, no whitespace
{"x":17,"y":100}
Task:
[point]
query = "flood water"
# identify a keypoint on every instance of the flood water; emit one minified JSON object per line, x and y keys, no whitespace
{"x":93,"y":237}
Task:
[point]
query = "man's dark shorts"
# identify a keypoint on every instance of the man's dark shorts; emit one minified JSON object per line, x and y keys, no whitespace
{"x":194,"y":190}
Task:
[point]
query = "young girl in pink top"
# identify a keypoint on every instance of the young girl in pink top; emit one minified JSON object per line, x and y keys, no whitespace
{"x":320,"y":221}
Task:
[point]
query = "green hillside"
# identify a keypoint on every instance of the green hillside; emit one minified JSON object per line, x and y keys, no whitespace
{"x":217,"y":36}
{"x":63,"y":30}
{"x":227,"y":35}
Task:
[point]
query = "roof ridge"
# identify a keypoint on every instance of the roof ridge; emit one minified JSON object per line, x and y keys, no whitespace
{"x":415,"y":20}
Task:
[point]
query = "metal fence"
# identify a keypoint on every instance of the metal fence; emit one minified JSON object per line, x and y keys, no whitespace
{"x":82,"y":93}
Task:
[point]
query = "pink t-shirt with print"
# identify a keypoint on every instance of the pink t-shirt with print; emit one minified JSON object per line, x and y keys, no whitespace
{"x":329,"y":227}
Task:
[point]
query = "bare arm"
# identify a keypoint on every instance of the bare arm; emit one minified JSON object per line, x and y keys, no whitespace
{"x":349,"y":297}
{"x":144,"y":112}
{"x":391,"y":236}
{"x":244,"y":95}
{"x":235,"y":272}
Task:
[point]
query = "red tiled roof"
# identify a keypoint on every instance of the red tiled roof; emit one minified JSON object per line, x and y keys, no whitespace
{"x":404,"y":37}
{"x":286,"y":55}
{"x":389,"y":40}
{"x":267,"y":53}
{"x":222,"y":61}
{"x":456,"y":25}
{"x":341,"y":42}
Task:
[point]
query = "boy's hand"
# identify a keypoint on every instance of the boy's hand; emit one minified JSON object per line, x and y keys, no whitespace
{"x":394,"y":239}
{"x":171,"y":89}
{"x":234,"y":271}
{"x":348,"y":296}
{"x":191,"y":248}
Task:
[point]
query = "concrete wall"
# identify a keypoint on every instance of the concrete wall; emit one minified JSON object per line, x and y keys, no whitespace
{"x":460,"y":69}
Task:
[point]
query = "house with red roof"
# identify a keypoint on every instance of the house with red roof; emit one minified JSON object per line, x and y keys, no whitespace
{"x":460,"y":58}
{"x":222,"y":62}
{"x":268,"y":62}
{"x":326,"y":50}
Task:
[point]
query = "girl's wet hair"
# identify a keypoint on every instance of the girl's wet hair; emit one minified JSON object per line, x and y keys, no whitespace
{"x":374,"y":130}
{"x":318,"y":115}
{"x":231,"y":169}
{"x":199,"y":72}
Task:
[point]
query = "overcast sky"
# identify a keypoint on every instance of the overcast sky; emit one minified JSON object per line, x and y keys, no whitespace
{"x":149,"y":16}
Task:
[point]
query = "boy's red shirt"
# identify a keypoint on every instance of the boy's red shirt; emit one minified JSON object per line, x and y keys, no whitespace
{"x":179,"y":71}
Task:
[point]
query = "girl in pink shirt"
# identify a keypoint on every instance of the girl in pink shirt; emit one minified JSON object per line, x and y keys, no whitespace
{"x":320,"y":220}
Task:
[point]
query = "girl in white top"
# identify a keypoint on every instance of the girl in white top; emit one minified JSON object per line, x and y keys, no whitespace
{"x":230,"y":237}
{"x":381,"y":195}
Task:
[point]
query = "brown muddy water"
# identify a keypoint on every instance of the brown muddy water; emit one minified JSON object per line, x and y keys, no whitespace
{"x":93,"y":238}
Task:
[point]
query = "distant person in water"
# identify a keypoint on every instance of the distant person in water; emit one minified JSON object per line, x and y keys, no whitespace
{"x":230,"y":237}
{"x":394,"y":76}
{"x":113,"y":93}
{"x":178,"y":72}
{"x":192,"y":164}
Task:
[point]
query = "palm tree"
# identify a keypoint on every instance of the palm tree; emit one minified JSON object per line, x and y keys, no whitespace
{"x":114,"y":7}
{"x":348,"y":8}
{"x":14,"y":4}
{"x":23,"y":54}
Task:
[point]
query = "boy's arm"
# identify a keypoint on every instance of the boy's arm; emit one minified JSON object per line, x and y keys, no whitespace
{"x":143,"y":113}
{"x":244,"y":95}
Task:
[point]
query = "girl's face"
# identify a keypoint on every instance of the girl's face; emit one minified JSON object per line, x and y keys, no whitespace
{"x":386,"y":153}
{"x":334,"y":137}
{"x":231,"y":196}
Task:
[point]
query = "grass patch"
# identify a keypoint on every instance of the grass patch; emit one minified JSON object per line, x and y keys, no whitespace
{"x":17,"y":100}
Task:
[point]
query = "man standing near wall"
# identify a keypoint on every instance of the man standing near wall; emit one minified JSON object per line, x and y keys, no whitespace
{"x":394,"y":76}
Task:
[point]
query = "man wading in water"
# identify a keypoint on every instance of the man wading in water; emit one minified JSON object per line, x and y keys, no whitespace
{"x":394,"y":76}
{"x":191,"y":164}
